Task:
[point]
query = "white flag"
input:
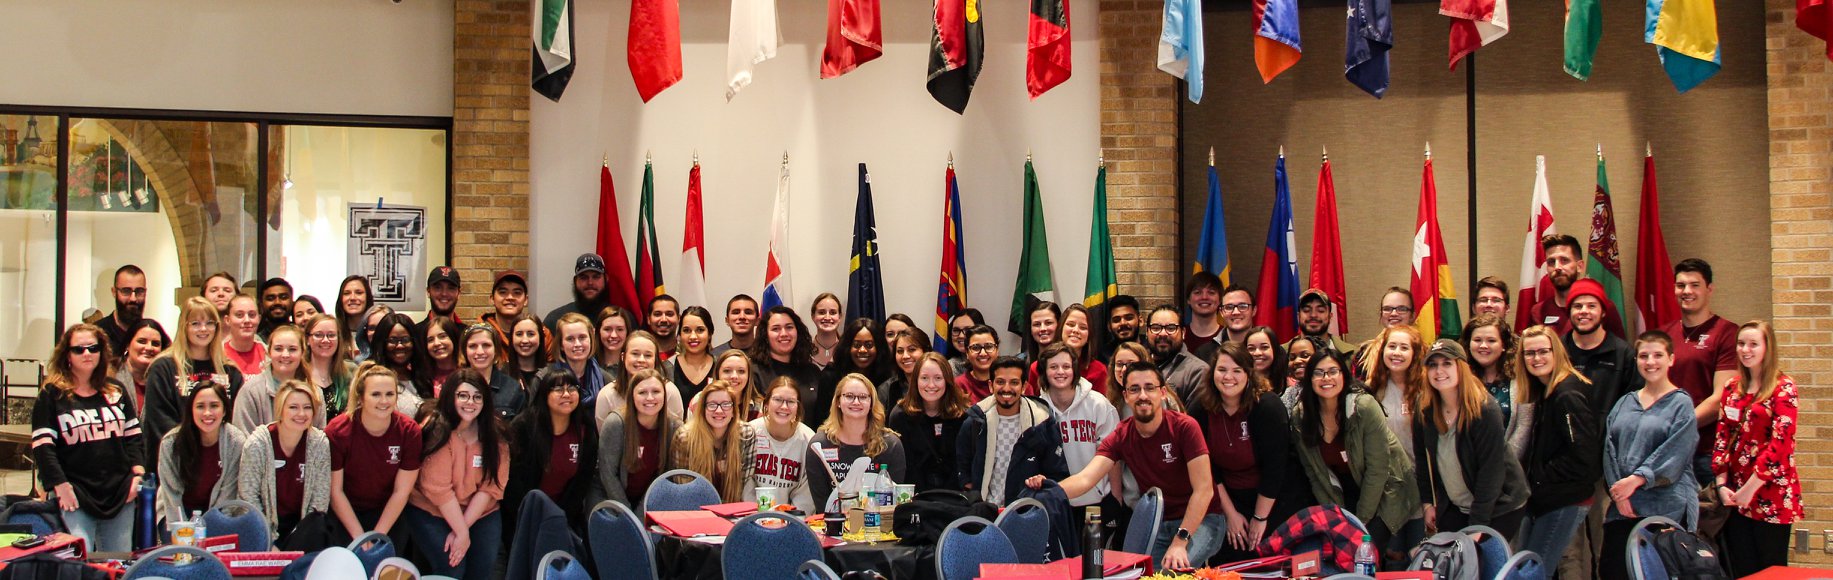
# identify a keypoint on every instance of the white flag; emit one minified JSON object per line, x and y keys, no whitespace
{"x":1533,"y":257}
{"x":753,"y":39}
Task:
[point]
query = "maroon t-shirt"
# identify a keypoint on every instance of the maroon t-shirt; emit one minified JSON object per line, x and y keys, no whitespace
{"x":1699,"y":352}
{"x":1336,"y":457}
{"x":209,"y":470}
{"x":1196,"y":343}
{"x":649,"y":463}
{"x":562,"y":461}
{"x":1158,"y":461}
{"x":370,"y":462}
{"x":975,"y":389}
{"x":289,"y":476}
{"x":1231,"y":451}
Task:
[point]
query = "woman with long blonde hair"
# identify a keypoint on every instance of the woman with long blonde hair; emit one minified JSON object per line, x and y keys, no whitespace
{"x":1753,"y":455}
{"x":1466,"y":473}
{"x":86,"y":440}
{"x":1563,"y":459}
{"x":286,"y":465}
{"x":717,"y":444}
{"x":734,"y":367}
{"x":196,"y":357}
{"x":855,"y":428}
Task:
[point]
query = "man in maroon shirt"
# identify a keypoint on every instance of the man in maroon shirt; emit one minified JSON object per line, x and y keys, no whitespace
{"x":1705,"y":354}
{"x":1163,"y":449}
{"x":1203,"y":301}
{"x":1565,"y":265}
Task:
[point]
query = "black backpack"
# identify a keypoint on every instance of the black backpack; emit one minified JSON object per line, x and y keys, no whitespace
{"x":920,"y":521}
{"x":1448,"y":556}
{"x":48,"y":567}
{"x":1685,"y":554}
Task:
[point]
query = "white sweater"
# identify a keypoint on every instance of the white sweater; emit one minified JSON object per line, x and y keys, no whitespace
{"x":1088,"y":420}
{"x":779,"y":465}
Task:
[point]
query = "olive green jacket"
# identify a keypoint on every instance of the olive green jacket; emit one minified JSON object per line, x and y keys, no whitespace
{"x":1383,"y":471}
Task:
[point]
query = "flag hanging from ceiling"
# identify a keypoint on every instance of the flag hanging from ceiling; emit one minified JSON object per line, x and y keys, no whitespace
{"x":1276,"y":42}
{"x":618,"y":283}
{"x":1327,"y":250}
{"x":648,"y":270}
{"x":956,"y":41}
{"x":865,"y":290}
{"x":1101,"y":282}
{"x":1434,"y":297}
{"x":776,"y":260}
{"x":1584,"y":25}
{"x":1036,"y":283}
{"x":1602,"y":262}
{"x":1371,"y":34}
{"x":1815,"y":17}
{"x":1655,"y":302}
{"x":853,"y":36}
{"x":691,"y":291}
{"x":1535,"y":286}
{"x":951,"y":288}
{"x":1278,"y":294}
{"x":553,"y":51}
{"x":654,"y":47}
{"x":1180,"y":45}
{"x":1212,"y":245}
{"x":752,"y":39}
{"x":1685,"y":35}
{"x":1047,"y":46}
{"x":1474,"y":24}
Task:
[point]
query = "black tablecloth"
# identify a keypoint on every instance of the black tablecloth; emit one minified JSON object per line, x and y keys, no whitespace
{"x":681,"y":559}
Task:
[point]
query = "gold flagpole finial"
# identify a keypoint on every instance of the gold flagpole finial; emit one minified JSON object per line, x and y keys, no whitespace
{"x":1100,"y":157}
{"x":1600,"y":151}
{"x":1027,"y":155}
{"x":1326,"y":152}
{"x":785,"y":157}
{"x":1649,"y":149}
{"x":1428,"y":150}
{"x":647,"y":157}
{"x":1282,"y":151}
{"x":607,"y":160}
{"x":1212,"y":155}
{"x":696,"y":157}
{"x":951,"y":159}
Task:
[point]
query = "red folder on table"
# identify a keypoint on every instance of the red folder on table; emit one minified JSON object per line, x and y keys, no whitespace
{"x":688,"y":524}
{"x":1112,"y":561}
{"x":732,"y":510}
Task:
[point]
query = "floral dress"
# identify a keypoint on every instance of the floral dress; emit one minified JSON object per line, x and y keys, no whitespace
{"x":1757,"y":439}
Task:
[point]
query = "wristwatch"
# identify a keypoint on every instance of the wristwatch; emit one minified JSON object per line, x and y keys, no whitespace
{"x":1183,"y":534}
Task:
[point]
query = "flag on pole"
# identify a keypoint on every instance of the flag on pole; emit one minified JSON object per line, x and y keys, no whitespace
{"x":553,"y":50}
{"x":1180,"y":45}
{"x":853,"y":36}
{"x":1047,"y":46}
{"x":1434,"y":297}
{"x":1327,"y":250}
{"x":951,"y":288}
{"x":1685,"y":35}
{"x":620,"y":286}
{"x":648,"y":270}
{"x":1655,"y":302}
{"x":776,"y":261}
{"x":865,"y":294}
{"x":752,"y":39}
{"x":1102,"y":283}
{"x":1278,"y":295}
{"x":692,"y":289}
{"x":1276,"y":42}
{"x":1584,"y":25}
{"x":1474,"y":24}
{"x":956,"y":43}
{"x":1371,"y":34}
{"x":1212,"y":246}
{"x":1602,"y":262}
{"x":1815,"y":17}
{"x":654,"y":47}
{"x":1036,"y":283}
{"x":1535,"y":286}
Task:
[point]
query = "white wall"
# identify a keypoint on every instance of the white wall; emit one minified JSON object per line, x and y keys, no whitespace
{"x":879,"y":114}
{"x":371,"y":57}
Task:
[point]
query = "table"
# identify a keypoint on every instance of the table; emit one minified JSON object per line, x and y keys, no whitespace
{"x":1791,"y":573}
{"x":685,"y":559}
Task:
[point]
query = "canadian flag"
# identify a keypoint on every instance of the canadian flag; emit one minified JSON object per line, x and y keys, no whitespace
{"x":1535,"y":285}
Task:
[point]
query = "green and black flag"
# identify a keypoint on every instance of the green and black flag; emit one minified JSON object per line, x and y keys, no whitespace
{"x":1036,"y":282}
{"x":553,"y":50}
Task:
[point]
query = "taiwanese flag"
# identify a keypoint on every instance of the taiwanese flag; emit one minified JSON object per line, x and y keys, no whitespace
{"x":951,"y":288}
{"x":1276,"y":46}
{"x":1815,"y":17}
{"x":1047,"y":46}
{"x":654,"y":47}
{"x":956,"y":43}
{"x":1655,"y":302}
{"x":622,"y":288}
{"x":1278,"y":308}
{"x":648,"y":271}
{"x":1327,"y":250}
{"x":1434,"y":297}
{"x":853,"y":36}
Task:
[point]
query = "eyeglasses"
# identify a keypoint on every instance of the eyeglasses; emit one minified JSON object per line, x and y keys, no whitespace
{"x":784,"y":402}
{"x":725,"y":406}
{"x":400,"y":341}
{"x":470,"y":397}
{"x":1237,"y":307}
{"x":1537,"y":353}
{"x":325,"y":336}
{"x":1396,"y":309}
{"x":982,"y":347}
{"x":566,"y":389}
{"x":86,"y":348}
{"x":957,"y":332}
{"x":1329,"y":373}
{"x":1140,"y":390}
{"x":856,"y":398}
{"x":1163,"y":328}
{"x":1492,"y":300}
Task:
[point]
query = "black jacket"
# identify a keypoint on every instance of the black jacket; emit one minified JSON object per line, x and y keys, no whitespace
{"x":1039,"y":450}
{"x":1611,"y":368}
{"x":929,"y":458}
{"x":810,"y":381}
{"x":1497,"y":483}
{"x":1281,"y":477}
{"x":529,"y":449}
{"x":1563,"y":460}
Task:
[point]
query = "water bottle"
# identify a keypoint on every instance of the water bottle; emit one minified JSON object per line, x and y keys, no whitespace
{"x":881,"y":491}
{"x":1365,"y":557}
{"x":873,"y":528}
{"x":146,"y":528}
{"x":197,"y":521}
{"x":1092,"y":566}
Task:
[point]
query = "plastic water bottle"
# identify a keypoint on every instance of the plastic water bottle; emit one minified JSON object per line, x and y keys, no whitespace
{"x":1365,"y":557}
{"x":881,"y":490}
{"x":873,"y":529}
{"x":197,"y":522}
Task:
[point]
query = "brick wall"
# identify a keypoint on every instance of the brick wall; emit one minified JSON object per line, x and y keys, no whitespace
{"x":1139,"y":138}
{"x":490,"y":66}
{"x":1801,"y":240}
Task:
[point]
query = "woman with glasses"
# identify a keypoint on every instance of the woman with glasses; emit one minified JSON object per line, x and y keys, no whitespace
{"x":86,"y":440}
{"x":1562,"y":456}
{"x":1753,"y":454}
{"x":145,"y":341}
{"x":397,"y":347}
{"x":927,"y":419}
{"x":375,"y":454}
{"x":634,"y":444}
{"x":693,"y":360}
{"x":717,"y":445}
{"x":367,"y":347}
{"x":194,"y":359}
{"x":958,"y":326}
{"x":452,"y":512}
{"x":733,"y":367}
{"x":906,"y":351}
{"x":553,"y":448}
{"x":1350,"y":456}
{"x":855,"y":428}
{"x":285,"y":362}
{"x":479,"y":343}
{"x":783,"y":446}
{"x":786,"y":351}
{"x":327,"y":362}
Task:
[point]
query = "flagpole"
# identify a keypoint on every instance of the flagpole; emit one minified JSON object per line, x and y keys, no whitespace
{"x":1212,"y":156}
{"x":951,"y":159}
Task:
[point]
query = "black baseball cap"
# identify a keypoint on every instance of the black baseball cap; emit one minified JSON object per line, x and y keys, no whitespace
{"x":588,"y":262}
{"x":442,"y":274}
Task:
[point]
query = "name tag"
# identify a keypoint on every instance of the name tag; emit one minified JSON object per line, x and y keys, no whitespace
{"x":938,"y":429}
{"x":1345,"y":455}
{"x":279,"y":463}
{"x":477,"y":461}
{"x":1550,"y":320}
{"x":1733,"y":413}
{"x":830,"y":454}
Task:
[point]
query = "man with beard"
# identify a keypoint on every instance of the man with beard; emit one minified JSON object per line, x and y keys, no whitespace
{"x":1610,"y":364}
{"x":663,"y":320}
{"x":1183,"y":371}
{"x":1492,"y":298}
{"x":741,"y":317}
{"x":1008,"y":438}
{"x":1163,"y":449}
{"x":1122,"y":324}
{"x":1314,"y":319}
{"x":982,"y":348}
{"x":130,"y":305}
{"x":442,"y":288}
{"x":1566,"y":265}
{"x":1202,"y":299}
{"x":276,"y":298}
{"x":589,"y":296}
{"x":1705,"y":354}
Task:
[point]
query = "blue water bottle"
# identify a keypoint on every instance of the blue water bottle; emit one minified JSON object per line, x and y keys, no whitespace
{"x":146,"y":519}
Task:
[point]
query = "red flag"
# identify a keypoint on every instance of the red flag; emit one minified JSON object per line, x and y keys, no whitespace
{"x":1327,"y":250}
{"x":654,"y":48}
{"x":1654,"y":299}
{"x":1535,"y":286}
{"x":1816,"y":18}
{"x":691,"y":289}
{"x":621,"y":286}
{"x":853,"y":36}
{"x":1434,"y":298}
{"x":1474,"y":23}
{"x":1047,"y":46}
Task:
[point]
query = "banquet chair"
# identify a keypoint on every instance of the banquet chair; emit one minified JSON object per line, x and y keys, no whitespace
{"x":1027,"y":524}
{"x":371,"y":549}
{"x":1148,"y":514}
{"x":1524,"y":565}
{"x":396,"y":568}
{"x":620,"y":546}
{"x":203,"y":565}
{"x":816,"y":570}
{"x":1643,"y":561}
{"x":667,"y":495}
{"x":756,"y":549}
{"x":559,"y":565}
{"x":1492,"y":552}
{"x":249,"y":526}
{"x":961,"y":551}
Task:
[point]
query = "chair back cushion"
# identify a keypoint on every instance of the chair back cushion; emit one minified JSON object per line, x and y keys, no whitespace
{"x":667,"y":495}
{"x":620,"y":545}
{"x":968,"y":543}
{"x":1148,"y":512}
{"x":768,"y":545}
{"x":1027,"y":524}
{"x":243,"y":520}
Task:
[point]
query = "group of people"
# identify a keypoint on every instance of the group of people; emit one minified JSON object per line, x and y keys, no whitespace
{"x":1559,"y":436}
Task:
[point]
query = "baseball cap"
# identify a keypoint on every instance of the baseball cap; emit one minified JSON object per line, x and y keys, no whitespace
{"x":1313,"y":294}
{"x":509,"y":275}
{"x":442,"y":274}
{"x":588,"y":262}
{"x":1447,"y":347}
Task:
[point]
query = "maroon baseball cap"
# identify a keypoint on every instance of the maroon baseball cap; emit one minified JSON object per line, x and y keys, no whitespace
{"x":507,"y":276}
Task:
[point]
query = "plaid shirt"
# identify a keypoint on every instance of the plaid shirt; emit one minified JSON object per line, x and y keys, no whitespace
{"x":1326,"y":524}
